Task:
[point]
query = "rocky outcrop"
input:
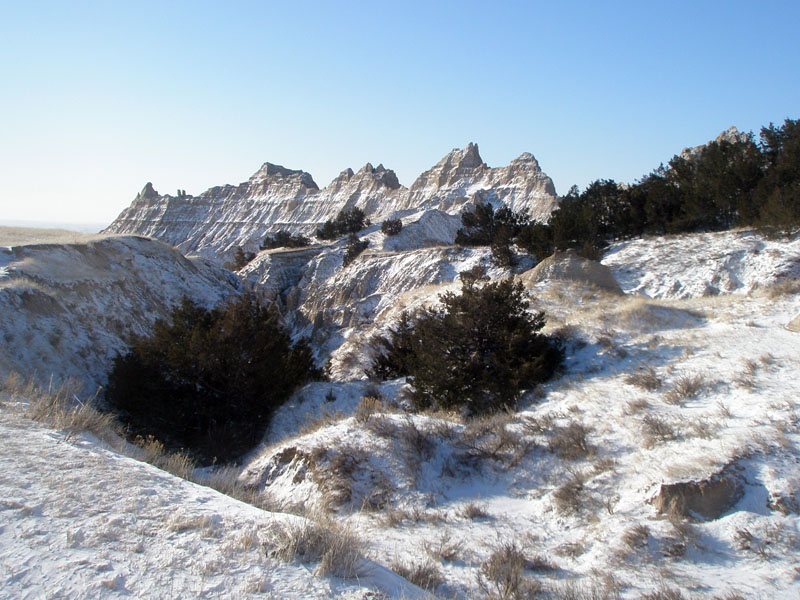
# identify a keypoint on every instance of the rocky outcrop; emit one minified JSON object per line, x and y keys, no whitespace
{"x":568,"y":266}
{"x":462,"y":177}
{"x":214,"y":223}
{"x":67,"y":309}
{"x":708,"y":498}
{"x":730,"y":135}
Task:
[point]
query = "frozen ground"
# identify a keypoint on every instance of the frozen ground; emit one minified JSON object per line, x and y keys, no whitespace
{"x":79,"y":520}
{"x":408,"y":483}
{"x":571,"y":480}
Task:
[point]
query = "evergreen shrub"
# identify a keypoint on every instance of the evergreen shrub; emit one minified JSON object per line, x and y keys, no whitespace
{"x":475,"y":353}
{"x":208,"y":381}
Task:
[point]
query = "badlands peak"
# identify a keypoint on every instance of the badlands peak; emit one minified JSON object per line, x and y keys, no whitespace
{"x":147,"y":193}
{"x":731,"y":135}
{"x":223,"y":218}
{"x":269,"y":173}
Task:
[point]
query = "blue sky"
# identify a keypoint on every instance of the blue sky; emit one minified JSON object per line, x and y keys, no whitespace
{"x":100,"y":97}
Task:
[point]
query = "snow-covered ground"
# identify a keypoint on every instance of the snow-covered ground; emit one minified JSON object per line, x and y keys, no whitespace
{"x":707,"y":264}
{"x":408,"y":482}
{"x":68,"y":307}
{"x":79,"y":520}
{"x":674,"y":383}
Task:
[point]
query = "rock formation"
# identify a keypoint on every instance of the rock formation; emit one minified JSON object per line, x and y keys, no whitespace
{"x":214,"y":223}
{"x":730,"y":135}
{"x":568,"y":266}
{"x":707,"y":498}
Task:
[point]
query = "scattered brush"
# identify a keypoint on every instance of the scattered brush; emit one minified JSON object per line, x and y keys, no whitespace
{"x":570,"y":549}
{"x":489,"y":438}
{"x":744,"y":539}
{"x":334,"y":472}
{"x":538,"y":425}
{"x":685,"y":388}
{"x":702,"y":428}
{"x":684,"y":535}
{"x":502,"y":576}
{"x":574,"y":590}
{"x":427,"y":575}
{"x":395,"y":516}
{"x":636,"y":537}
{"x":336,"y":548}
{"x":368,"y":406}
{"x":767,"y":360}
{"x":474,"y":511}
{"x":787,"y":287}
{"x":569,"y":496}
{"x":645,"y":378}
{"x":179,"y":464}
{"x":570,"y":442}
{"x":657,"y":430}
{"x":634,"y":407}
{"x":445,"y":548}
{"x":664,"y":593}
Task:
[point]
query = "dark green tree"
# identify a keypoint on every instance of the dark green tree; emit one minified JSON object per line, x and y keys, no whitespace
{"x":209,"y":380}
{"x":346,"y":222}
{"x":285,"y":239}
{"x":476,"y":352}
{"x":354,"y":248}
{"x":392,"y":226}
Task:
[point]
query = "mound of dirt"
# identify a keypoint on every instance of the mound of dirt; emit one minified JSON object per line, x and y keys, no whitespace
{"x":568,"y":266}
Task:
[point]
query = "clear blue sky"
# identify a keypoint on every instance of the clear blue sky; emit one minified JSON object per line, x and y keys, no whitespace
{"x":100,"y":97}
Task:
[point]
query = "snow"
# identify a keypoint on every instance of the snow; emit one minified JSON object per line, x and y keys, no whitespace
{"x":66,"y":309}
{"x":746,"y":414}
{"x":708,"y":264}
{"x":711,"y":306}
{"x":66,"y":531}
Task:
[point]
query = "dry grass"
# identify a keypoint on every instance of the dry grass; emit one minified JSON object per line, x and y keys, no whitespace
{"x":570,"y":549}
{"x":579,"y":590}
{"x":664,"y":593}
{"x":368,"y":406}
{"x":636,"y":537}
{"x":334,"y":471}
{"x":427,"y":575}
{"x":179,"y":464}
{"x":685,"y":388}
{"x":645,"y":378}
{"x":444,"y":548}
{"x":396,"y":516}
{"x":316,"y":423}
{"x":205,"y":523}
{"x":60,"y":408}
{"x":570,"y":442}
{"x":473,"y":511}
{"x":20,"y":236}
{"x":634,"y":407}
{"x":337,"y":549}
{"x":489,"y":438}
{"x":569,"y":496}
{"x":226,"y":481}
{"x":502,"y":576}
{"x":657,"y":430}
{"x":783,"y":288}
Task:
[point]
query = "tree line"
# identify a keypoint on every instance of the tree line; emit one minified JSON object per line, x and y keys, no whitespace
{"x":725,"y":184}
